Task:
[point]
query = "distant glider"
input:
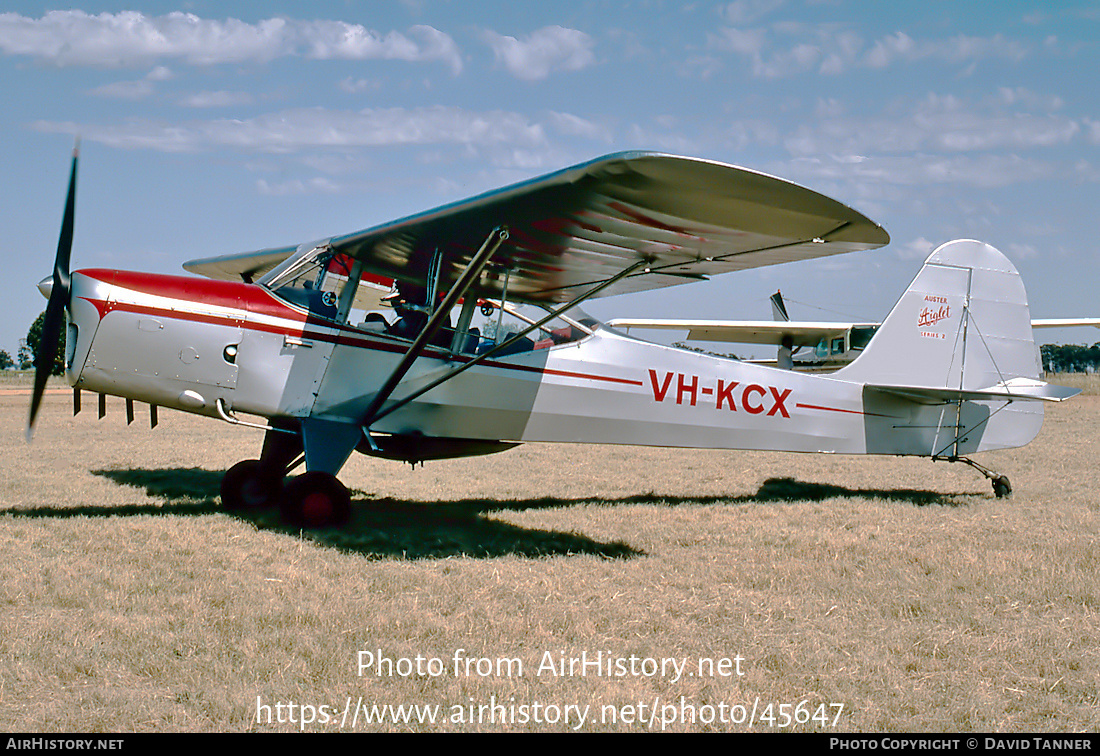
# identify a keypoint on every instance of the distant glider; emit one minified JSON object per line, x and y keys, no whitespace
{"x":833,"y":344}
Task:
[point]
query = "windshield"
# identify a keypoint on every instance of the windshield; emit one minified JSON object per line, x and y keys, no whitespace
{"x":315,"y":282}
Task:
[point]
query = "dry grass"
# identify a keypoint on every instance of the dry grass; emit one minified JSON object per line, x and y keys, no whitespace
{"x":899,"y":588}
{"x":1089,"y":383}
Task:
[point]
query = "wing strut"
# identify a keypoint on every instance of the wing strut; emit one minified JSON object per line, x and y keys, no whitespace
{"x":373,"y":415}
{"x":439,"y":315}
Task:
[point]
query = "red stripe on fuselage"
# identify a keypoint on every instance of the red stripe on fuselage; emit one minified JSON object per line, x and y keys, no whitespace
{"x":838,"y":409}
{"x":251,"y":298}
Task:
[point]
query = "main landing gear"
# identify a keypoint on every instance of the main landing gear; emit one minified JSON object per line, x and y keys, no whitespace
{"x":310,"y":500}
{"x":313,"y":499}
{"x":1002,"y":487}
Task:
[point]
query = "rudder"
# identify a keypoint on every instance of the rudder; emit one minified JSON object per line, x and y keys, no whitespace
{"x":962,"y":324}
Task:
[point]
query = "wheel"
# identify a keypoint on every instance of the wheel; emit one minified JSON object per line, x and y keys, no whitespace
{"x":315,"y":500}
{"x":1001,"y":486}
{"x":245,"y":487}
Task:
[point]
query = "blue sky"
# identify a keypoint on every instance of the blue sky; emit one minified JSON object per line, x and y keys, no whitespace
{"x":218,"y":127}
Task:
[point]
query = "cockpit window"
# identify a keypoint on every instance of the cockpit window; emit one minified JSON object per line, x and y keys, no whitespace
{"x":333,"y":286}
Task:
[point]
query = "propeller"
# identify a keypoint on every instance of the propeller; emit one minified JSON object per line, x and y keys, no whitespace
{"x":59,"y":301}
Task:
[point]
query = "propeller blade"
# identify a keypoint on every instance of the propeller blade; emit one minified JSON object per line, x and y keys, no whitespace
{"x":59,"y":301}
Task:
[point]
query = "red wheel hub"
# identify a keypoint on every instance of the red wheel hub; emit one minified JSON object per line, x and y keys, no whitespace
{"x":317,"y":508}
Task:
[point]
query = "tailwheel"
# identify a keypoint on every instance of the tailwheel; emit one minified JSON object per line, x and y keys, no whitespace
{"x":1001,"y":486}
{"x":246,"y":486}
{"x":315,"y":500}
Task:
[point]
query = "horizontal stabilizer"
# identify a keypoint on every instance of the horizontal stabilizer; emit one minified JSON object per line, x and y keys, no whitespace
{"x":1011,"y":391}
{"x":1015,"y":389}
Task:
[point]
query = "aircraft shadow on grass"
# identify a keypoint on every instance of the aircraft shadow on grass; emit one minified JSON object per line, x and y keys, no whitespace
{"x":382,"y":527}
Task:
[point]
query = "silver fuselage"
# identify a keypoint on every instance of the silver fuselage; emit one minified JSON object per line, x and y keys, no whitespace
{"x":186,"y":343}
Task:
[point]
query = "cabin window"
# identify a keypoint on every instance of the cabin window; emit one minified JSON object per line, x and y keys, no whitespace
{"x":333,"y":286}
{"x":497,"y":324}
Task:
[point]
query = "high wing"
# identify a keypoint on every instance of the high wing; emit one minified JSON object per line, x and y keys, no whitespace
{"x":243,"y":267}
{"x":802,"y":333}
{"x":1065,"y":322}
{"x":684,"y":218}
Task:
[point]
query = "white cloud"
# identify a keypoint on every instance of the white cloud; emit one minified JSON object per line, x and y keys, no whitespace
{"x":220,"y":99}
{"x":133,"y":90}
{"x":318,"y":185}
{"x":1028,"y":98}
{"x":917,"y":249}
{"x":1093,"y":130}
{"x":923,"y":169}
{"x":129,"y":38}
{"x":125,"y":90}
{"x":747,"y":42}
{"x":936,"y":124}
{"x":310,"y":128}
{"x":828,"y":108}
{"x":885,"y":51}
{"x":748,"y":11}
{"x":552,"y":48}
{"x":744,"y":133}
{"x":788,"y":49}
{"x":572,"y":125}
{"x":357,"y":86}
{"x":1085,"y":171}
{"x":956,"y":50}
{"x":1022,"y":251}
{"x":666,"y":141}
{"x":949,"y":125}
{"x":339,"y":40}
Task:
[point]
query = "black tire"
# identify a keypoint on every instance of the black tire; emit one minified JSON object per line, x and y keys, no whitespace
{"x":245,"y":488}
{"x":1001,"y":486}
{"x":315,"y":500}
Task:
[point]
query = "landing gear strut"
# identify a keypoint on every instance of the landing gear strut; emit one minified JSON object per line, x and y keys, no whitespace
{"x":1002,"y":487}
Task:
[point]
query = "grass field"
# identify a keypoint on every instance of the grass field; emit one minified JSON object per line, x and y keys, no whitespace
{"x":839,"y":593}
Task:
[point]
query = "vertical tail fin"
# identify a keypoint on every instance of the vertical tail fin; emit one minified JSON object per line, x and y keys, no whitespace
{"x":963,"y":324}
{"x":954,"y":369}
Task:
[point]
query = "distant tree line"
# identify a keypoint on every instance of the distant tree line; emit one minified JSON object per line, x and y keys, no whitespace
{"x":690,"y":348}
{"x":1070,"y":358}
{"x":28,"y":348}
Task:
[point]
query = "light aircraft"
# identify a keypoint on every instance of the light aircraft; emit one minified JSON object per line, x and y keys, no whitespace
{"x":295,"y":337}
{"x":830,"y":345}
